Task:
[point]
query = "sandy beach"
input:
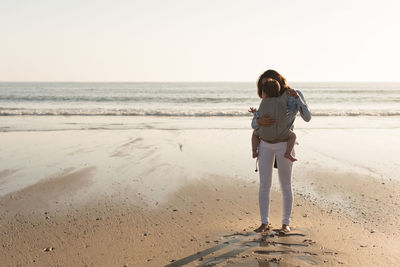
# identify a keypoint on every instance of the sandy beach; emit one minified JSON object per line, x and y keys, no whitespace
{"x":154,"y":191}
{"x":126,"y":128}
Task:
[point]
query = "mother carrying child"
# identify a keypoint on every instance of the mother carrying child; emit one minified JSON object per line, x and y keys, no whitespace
{"x":273,"y":140}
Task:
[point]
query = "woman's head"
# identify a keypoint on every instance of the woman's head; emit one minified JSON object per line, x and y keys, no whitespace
{"x":270,"y":87}
{"x":271,"y":74}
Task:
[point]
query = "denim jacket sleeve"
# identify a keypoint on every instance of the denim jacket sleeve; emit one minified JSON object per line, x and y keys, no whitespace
{"x":254,"y":123}
{"x":303,"y":107}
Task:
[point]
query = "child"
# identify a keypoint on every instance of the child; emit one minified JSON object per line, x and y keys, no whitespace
{"x":275,"y":106}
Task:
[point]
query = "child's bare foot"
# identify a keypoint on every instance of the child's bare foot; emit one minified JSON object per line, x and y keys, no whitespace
{"x":263,"y":227}
{"x":285,"y":228}
{"x":255,"y":154}
{"x":289,"y":157}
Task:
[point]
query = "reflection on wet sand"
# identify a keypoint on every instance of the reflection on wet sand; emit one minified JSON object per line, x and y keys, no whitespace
{"x":259,"y":250}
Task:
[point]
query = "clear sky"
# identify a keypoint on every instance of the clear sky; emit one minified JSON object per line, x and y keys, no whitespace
{"x":203,"y":40}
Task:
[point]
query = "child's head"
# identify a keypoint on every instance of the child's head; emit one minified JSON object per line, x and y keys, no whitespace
{"x":270,"y":88}
{"x":274,"y":75}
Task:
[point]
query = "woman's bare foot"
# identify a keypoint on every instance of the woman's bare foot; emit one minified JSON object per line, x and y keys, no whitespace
{"x":285,"y":228}
{"x":263,"y":227}
{"x":289,"y":157}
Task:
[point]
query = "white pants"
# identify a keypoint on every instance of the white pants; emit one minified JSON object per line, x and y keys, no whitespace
{"x":266,"y":155}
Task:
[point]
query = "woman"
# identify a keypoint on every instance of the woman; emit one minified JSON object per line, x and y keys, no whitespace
{"x":270,"y":152}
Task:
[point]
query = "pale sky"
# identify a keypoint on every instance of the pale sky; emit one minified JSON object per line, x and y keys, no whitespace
{"x":203,"y":40}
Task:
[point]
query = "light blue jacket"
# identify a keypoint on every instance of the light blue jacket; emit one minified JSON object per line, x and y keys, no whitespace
{"x":294,"y":105}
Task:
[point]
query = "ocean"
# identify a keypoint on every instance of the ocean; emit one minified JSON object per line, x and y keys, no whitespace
{"x":200,"y":99}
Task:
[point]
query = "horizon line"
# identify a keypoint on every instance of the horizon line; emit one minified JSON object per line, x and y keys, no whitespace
{"x":302,"y":81}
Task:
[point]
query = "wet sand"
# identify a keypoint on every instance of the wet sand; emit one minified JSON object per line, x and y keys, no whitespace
{"x":176,"y":192}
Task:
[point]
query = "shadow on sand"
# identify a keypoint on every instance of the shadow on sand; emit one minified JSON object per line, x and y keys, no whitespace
{"x":272,"y":243}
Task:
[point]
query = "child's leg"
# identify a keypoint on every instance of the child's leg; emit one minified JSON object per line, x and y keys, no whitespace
{"x":290,"y":146}
{"x":255,"y":141}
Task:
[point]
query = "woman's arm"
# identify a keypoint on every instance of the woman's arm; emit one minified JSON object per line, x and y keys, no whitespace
{"x":303,"y":107}
{"x":254,"y":123}
{"x":263,"y":121}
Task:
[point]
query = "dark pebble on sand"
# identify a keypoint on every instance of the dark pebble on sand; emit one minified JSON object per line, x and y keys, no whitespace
{"x":174,"y":210}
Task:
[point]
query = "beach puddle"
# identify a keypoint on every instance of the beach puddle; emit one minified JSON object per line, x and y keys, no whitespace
{"x":261,"y":263}
{"x":252,"y":249}
{"x":307,"y":259}
{"x":272,"y":252}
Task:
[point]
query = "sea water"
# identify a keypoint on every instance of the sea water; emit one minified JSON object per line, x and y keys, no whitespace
{"x":200,"y":99}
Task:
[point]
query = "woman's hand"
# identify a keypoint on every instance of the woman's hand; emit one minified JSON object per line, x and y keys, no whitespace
{"x":266,"y":121}
{"x":252,"y":110}
{"x":292,"y":92}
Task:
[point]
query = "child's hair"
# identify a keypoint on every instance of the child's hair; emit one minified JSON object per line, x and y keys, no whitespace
{"x":271,"y":88}
{"x":274,"y":75}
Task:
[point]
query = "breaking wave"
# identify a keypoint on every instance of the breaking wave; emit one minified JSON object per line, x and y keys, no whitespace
{"x":175,"y":113}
